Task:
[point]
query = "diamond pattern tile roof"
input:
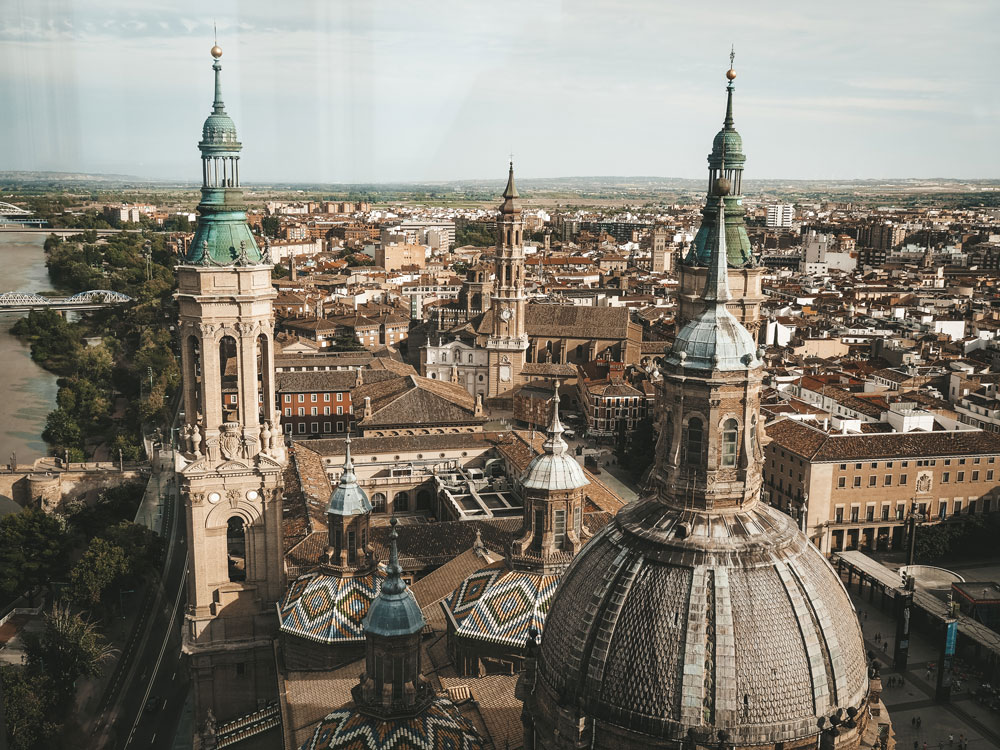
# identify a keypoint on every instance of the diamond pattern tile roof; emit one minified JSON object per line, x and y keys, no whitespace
{"x":439,"y":727}
{"x":500,"y":605}
{"x":329,"y":609}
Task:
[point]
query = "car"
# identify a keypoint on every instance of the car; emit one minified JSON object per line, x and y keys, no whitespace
{"x":152,"y":704}
{"x":569,"y":433}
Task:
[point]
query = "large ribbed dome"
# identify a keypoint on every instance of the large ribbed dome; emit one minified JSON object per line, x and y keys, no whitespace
{"x":676,"y":619}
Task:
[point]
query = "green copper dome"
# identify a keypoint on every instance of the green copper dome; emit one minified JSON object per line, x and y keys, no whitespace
{"x":222,"y":237}
{"x":219,"y":129}
{"x":395,"y":611}
{"x":739,"y":253}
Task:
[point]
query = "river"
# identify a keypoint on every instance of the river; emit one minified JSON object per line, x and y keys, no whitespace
{"x":27,"y":392}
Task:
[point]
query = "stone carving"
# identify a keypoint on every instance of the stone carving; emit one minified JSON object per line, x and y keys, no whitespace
{"x":197,"y":498}
{"x":249,"y":445}
{"x":229,"y":441}
{"x":924,"y":482}
{"x":265,"y":437}
{"x":233,"y":496}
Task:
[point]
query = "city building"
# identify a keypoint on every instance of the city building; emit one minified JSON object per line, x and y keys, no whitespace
{"x":392,"y":256}
{"x":780,"y":215}
{"x":855,"y":491}
{"x":662,"y":251}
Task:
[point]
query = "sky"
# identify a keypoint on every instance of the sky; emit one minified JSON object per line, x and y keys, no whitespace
{"x":395,"y":90}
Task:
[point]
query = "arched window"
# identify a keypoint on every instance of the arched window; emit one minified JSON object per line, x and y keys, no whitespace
{"x":730,"y":433}
{"x":401,"y":502}
{"x":693,"y":442}
{"x":470,"y":359}
{"x":378,"y":502}
{"x":230,"y":383}
{"x":236,"y":549}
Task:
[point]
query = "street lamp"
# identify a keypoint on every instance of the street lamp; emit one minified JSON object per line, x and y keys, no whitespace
{"x":913,"y":518}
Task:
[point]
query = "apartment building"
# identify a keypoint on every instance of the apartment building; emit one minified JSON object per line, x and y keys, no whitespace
{"x":854,"y":491}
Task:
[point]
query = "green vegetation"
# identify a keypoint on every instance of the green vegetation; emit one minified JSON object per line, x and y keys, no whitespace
{"x":34,"y":551}
{"x":125,"y":372}
{"x":962,"y":537}
{"x":478,"y":235}
{"x":270,"y":225}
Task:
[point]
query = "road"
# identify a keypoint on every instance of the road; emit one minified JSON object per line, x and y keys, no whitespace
{"x":146,"y":697}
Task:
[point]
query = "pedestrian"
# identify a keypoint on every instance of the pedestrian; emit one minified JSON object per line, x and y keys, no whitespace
{"x":951,"y":740}
{"x":919,"y":720}
{"x":913,"y":720}
{"x":885,"y":647}
{"x":916,"y":745}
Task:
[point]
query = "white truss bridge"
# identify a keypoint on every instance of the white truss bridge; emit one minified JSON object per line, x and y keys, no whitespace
{"x":89,"y":300}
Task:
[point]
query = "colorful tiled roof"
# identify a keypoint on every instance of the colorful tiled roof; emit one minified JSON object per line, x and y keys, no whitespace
{"x":439,"y":727}
{"x":500,"y":605}
{"x":329,"y":609}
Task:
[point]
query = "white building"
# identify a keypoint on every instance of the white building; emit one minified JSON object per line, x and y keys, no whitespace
{"x":780,"y":215}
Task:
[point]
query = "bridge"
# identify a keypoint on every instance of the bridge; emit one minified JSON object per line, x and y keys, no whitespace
{"x":11,"y":214}
{"x":94,"y":299}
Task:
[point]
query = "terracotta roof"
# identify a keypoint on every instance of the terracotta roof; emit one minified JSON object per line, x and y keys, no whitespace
{"x":818,"y":446}
{"x":373,"y":446}
{"x":413,"y":400}
{"x":327,"y":380}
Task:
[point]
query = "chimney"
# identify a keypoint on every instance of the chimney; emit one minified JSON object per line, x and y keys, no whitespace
{"x":368,"y":407}
{"x":292,"y":273}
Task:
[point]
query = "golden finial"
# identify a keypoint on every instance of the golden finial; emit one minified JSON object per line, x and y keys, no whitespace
{"x":731,"y":73}
{"x":216,"y":49}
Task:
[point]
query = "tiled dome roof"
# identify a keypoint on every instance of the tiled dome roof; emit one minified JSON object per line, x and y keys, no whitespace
{"x":439,"y":727}
{"x":672,"y":619}
{"x":714,"y":340}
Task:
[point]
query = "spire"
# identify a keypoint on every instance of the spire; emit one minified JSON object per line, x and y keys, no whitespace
{"x":393,"y":584}
{"x":730,"y":74}
{"x":554,"y":444}
{"x":348,"y":477}
{"x":717,"y":280}
{"x":510,"y":191}
{"x":217,"y":106}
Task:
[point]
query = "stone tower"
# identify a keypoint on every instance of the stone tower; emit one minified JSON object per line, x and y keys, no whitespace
{"x":554,"y":489}
{"x":744,"y":273}
{"x":232,"y":448}
{"x":508,"y":340}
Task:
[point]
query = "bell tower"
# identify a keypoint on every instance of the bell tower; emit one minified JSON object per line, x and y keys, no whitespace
{"x":232,"y":450}
{"x":508,"y":339}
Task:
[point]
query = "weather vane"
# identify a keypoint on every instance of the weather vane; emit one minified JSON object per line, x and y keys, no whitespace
{"x":732,"y":55}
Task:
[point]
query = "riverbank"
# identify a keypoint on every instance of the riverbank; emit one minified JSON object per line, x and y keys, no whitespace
{"x":27,"y":391}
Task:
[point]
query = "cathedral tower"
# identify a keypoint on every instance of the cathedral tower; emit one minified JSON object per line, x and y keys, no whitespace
{"x":692,"y":620}
{"x":744,"y":273}
{"x":508,"y":340}
{"x":232,"y":450}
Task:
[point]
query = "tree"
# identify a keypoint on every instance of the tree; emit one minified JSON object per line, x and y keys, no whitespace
{"x":68,"y":648}
{"x":92,"y":579}
{"x":142,"y":546}
{"x":270,"y":225}
{"x":346,"y":342}
{"x":61,"y":430}
{"x":33,"y":551}
{"x":27,"y":709}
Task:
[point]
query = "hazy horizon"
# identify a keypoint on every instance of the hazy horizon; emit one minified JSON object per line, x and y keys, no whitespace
{"x":397,"y":93}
